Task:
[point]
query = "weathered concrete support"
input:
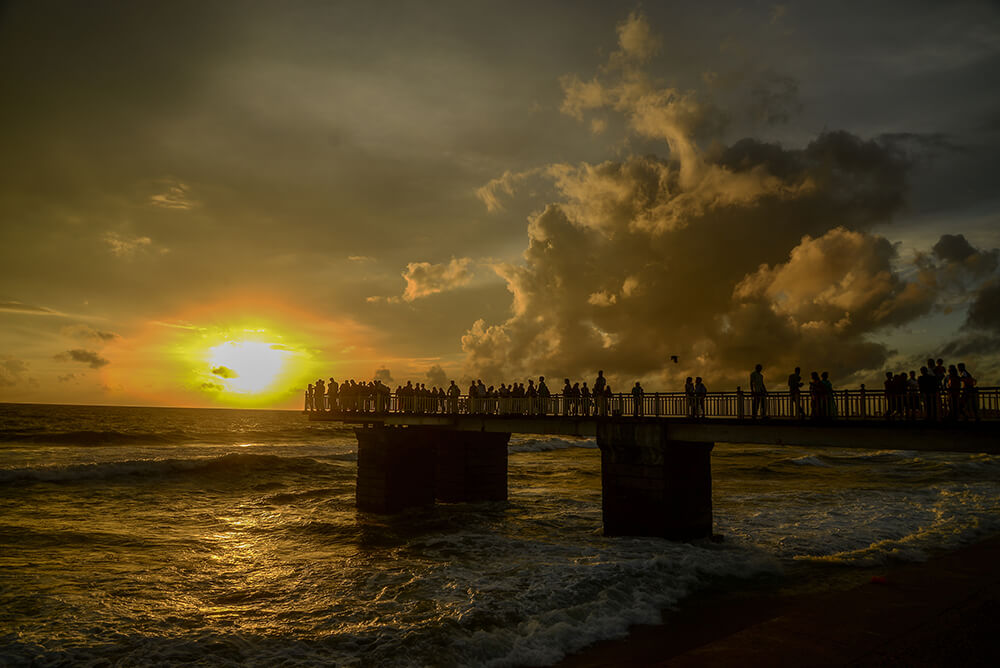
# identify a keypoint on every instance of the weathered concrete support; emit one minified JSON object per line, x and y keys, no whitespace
{"x":653,"y":486}
{"x":395,"y":469}
{"x":401,"y":468}
{"x":470,"y":466}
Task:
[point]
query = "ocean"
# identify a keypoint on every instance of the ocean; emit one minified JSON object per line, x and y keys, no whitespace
{"x":160,"y":536}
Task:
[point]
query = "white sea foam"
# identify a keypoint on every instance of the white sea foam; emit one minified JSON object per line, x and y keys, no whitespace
{"x":809,"y":460}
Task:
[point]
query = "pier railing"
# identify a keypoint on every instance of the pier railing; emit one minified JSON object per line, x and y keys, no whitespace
{"x":861,"y":404}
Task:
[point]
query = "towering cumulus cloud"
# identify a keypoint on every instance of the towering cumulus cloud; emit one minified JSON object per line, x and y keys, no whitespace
{"x":724,"y":257}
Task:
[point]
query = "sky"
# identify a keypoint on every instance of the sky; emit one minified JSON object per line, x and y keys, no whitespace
{"x":216,"y":203}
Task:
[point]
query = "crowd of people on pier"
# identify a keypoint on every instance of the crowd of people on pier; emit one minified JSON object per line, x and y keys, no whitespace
{"x":507,"y":399}
{"x":937,"y":393}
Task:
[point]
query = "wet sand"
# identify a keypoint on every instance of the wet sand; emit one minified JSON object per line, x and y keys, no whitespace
{"x":943,"y":612}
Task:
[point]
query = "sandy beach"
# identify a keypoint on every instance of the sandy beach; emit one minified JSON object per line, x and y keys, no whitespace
{"x":942,"y":612}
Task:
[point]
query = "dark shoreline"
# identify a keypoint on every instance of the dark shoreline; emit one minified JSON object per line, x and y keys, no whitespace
{"x":941,"y":612}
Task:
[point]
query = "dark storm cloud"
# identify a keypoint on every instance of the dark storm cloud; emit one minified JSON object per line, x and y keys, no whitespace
{"x":775,"y":99}
{"x":955,"y":249}
{"x":985,"y":310}
{"x":224,"y":372}
{"x":88,"y":357}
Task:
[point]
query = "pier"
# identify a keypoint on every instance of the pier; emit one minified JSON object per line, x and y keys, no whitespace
{"x":655,"y":449}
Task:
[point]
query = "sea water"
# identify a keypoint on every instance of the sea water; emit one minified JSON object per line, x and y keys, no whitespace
{"x":136,"y":536}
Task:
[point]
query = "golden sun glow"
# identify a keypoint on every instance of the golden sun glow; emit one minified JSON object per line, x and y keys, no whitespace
{"x":251,"y":352}
{"x":247,"y":367}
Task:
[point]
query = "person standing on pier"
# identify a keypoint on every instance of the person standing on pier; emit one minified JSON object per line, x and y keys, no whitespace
{"x":692,"y":409}
{"x":929,"y":391}
{"x":758,"y":393}
{"x":319,"y":395}
{"x":600,"y":403}
{"x":637,"y":393}
{"x":795,"y":393}
{"x":828,"y":394}
{"x":585,"y":399}
{"x":970,"y":395}
{"x":543,"y":395}
{"x":332,"y":390}
{"x":309,"y":397}
{"x":700,"y":394}
{"x":531,"y":394}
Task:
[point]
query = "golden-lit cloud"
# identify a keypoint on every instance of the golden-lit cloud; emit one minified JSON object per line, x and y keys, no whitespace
{"x":726,"y":257}
{"x":30,"y":309}
{"x":175,"y":195}
{"x":128,"y":247}
{"x":424,"y":278}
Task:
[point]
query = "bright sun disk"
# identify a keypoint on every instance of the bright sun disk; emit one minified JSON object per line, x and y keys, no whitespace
{"x":247,"y":367}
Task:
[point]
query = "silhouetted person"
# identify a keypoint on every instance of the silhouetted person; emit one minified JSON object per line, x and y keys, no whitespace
{"x":585,"y":399}
{"x":600,"y":400}
{"x":953,"y":385}
{"x":543,"y":395}
{"x":758,"y":393}
{"x":795,"y":393}
{"x":930,"y":390}
{"x":817,"y":390}
{"x":912,"y":400}
{"x":531,"y":394}
{"x":309,"y":397}
{"x":970,"y":395}
{"x":891,"y":401}
{"x":831,"y":399}
{"x":700,"y":394}
{"x":319,"y":394}
{"x":637,"y":399}
{"x":332,"y":392}
{"x":567,"y":393}
{"x":689,"y":398}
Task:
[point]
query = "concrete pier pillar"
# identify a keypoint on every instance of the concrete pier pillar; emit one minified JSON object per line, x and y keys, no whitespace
{"x":470,"y":466}
{"x":401,"y":468}
{"x":395,"y":469}
{"x":654,"y":486}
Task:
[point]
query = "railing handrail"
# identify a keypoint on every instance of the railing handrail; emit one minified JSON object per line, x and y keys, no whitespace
{"x":849,"y":403}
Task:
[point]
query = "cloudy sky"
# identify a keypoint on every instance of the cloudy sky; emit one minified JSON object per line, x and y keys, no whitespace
{"x":215,"y":203}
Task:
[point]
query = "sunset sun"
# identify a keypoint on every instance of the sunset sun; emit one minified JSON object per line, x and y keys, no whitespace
{"x":248,"y":367}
